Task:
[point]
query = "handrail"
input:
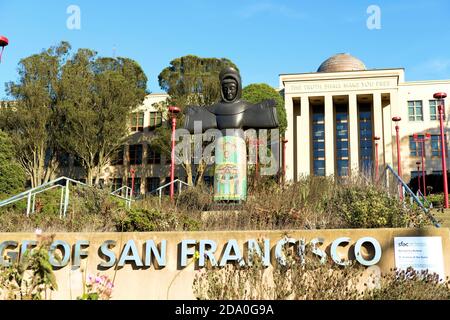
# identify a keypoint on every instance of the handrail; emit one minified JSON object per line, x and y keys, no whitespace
{"x":416,"y":199}
{"x":31,"y":194}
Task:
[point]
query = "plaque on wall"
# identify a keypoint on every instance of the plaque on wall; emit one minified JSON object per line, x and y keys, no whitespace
{"x":420,"y":253}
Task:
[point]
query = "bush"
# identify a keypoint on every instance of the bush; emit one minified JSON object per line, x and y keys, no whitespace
{"x":308,"y":278}
{"x":410,"y":285}
{"x":367,"y":206}
{"x":12,"y":175}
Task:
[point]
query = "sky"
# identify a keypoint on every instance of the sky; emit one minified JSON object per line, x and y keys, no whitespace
{"x":263,"y":38}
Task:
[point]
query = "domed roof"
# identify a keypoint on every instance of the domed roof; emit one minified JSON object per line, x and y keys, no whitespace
{"x":341,"y":62}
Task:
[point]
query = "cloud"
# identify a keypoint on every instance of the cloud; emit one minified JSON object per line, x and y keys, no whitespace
{"x":252,"y":10}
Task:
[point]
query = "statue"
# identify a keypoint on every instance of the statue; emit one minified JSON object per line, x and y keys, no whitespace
{"x":231,"y":115}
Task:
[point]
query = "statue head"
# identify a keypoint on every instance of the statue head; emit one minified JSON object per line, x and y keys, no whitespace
{"x":230,"y":82}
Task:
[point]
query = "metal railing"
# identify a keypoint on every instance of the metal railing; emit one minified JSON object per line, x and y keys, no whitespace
{"x":160,"y":189}
{"x":64,"y":184}
{"x":407,"y":191}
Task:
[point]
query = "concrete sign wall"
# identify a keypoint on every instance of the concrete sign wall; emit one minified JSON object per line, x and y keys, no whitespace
{"x":160,"y":265}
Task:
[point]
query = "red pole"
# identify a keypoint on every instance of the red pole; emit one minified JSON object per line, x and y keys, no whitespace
{"x":172,"y":166}
{"x":377,"y":172}
{"x":444,"y":162}
{"x":399,"y":161}
{"x":173,"y":110}
{"x":132,"y":171}
{"x":423,"y":169}
{"x":418,"y":172}
{"x":284,"y":159}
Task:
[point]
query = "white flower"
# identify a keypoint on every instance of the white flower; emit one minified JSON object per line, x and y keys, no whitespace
{"x":38,"y":232}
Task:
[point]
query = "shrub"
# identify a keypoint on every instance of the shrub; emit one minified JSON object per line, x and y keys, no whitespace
{"x":16,"y":283}
{"x":410,"y":285}
{"x":309,"y":278}
{"x":367,"y":206}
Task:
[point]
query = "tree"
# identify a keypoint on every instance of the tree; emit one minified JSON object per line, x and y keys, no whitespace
{"x":257,"y":92}
{"x":12,"y":175}
{"x":189,"y":80}
{"x":30,"y":120}
{"x":98,"y":97}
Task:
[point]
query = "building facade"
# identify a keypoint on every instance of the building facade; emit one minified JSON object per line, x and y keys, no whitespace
{"x":335,"y":113}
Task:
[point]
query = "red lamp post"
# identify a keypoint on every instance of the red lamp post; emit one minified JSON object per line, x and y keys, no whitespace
{"x":173,"y":110}
{"x":377,"y":167}
{"x":422,"y":146}
{"x":440,"y":96}
{"x":399,"y":161}
{"x":418,"y":172}
{"x":3,"y":43}
{"x":132,"y":172}
{"x":285,"y":141}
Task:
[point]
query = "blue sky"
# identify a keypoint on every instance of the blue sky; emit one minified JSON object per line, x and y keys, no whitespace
{"x":264,"y":38}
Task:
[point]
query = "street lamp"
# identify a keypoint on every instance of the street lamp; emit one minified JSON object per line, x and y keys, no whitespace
{"x":376,"y":139}
{"x":422,"y":145}
{"x":285,"y":141}
{"x":173,"y":111}
{"x":440,"y":96}
{"x":3,"y":43}
{"x":399,"y":161}
{"x":418,"y":172}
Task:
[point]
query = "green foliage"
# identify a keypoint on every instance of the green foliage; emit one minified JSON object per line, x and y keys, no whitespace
{"x":17,"y":283}
{"x":12,"y":175}
{"x":99,"y":94}
{"x":257,"y":92}
{"x":309,"y":278}
{"x":437,"y":199}
{"x":146,"y":220}
{"x":370,"y":207}
{"x":194,"y":199}
{"x":191,"y":80}
{"x":30,"y":120}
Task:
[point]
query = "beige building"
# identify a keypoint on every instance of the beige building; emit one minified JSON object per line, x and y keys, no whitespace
{"x":334,"y":114}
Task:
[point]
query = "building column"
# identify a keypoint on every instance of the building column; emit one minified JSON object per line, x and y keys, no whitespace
{"x":389,"y":129}
{"x":353,"y":133}
{"x":290,"y":137}
{"x":329,"y":136}
{"x":378,"y":128}
{"x":303,"y":139}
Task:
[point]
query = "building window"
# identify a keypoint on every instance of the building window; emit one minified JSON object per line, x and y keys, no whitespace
{"x":415,"y":148}
{"x":434,"y":115}
{"x":152,"y":184}
{"x":135,"y":153}
{"x":342,"y":154}
{"x":319,"y":142}
{"x":117,"y":158}
{"x":137,"y":121}
{"x":365,"y":138}
{"x":153,"y":157}
{"x":116,"y":184}
{"x":137,"y":185}
{"x":436,"y":146}
{"x":155,"y":120}
{"x":415,"y":110}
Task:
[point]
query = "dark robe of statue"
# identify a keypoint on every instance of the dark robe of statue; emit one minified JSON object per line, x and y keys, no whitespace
{"x":230,"y":115}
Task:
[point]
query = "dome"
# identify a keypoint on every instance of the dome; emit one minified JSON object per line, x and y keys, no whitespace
{"x":341,"y":62}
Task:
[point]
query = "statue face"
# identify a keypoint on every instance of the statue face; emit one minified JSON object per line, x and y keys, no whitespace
{"x":229,"y":90}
